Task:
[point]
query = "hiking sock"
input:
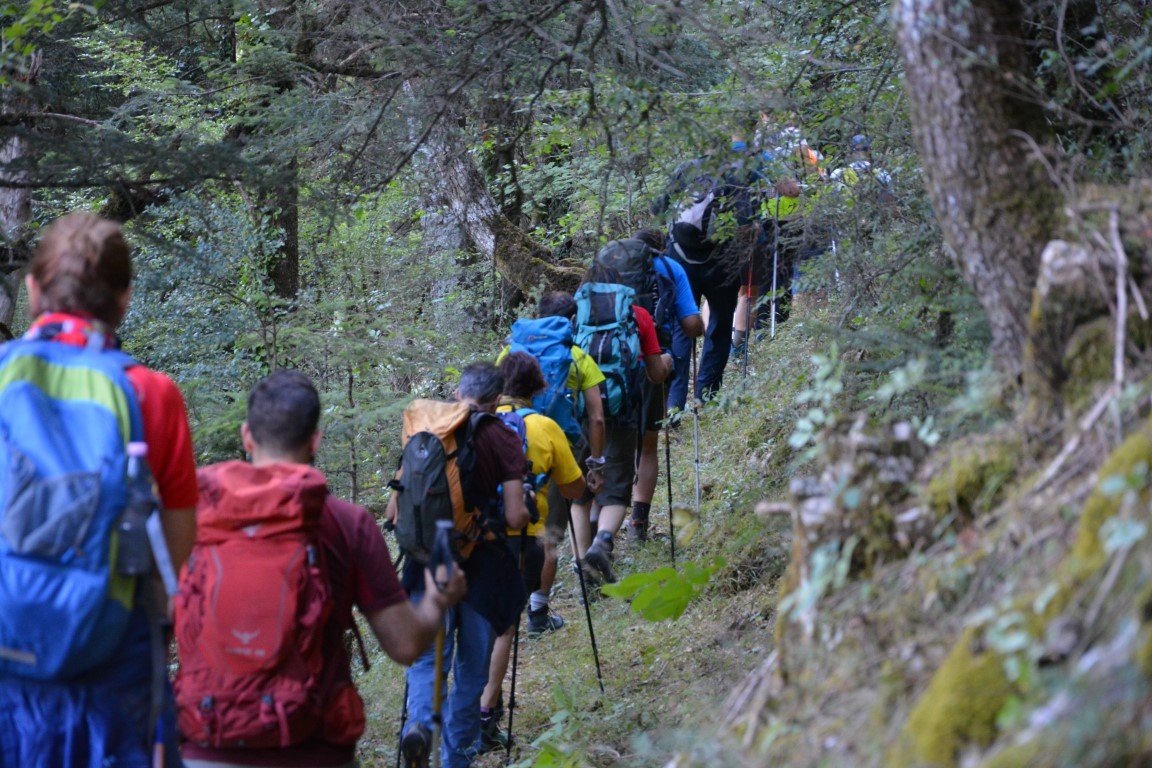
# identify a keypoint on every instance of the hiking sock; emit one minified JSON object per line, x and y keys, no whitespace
{"x":607,"y":539}
{"x":536,"y":601}
{"x":638,"y":524}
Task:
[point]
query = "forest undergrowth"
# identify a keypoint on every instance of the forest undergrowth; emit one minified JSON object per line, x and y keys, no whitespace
{"x":1008,"y":630}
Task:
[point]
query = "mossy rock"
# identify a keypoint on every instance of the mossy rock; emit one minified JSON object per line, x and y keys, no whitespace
{"x":1089,"y":358}
{"x":1088,"y":551}
{"x":972,"y":475}
{"x":958,"y":709}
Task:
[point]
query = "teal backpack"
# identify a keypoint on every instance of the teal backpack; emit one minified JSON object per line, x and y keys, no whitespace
{"x":606,"y":330}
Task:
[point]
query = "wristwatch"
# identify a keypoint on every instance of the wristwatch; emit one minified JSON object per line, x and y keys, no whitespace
{"x":594,"y":462}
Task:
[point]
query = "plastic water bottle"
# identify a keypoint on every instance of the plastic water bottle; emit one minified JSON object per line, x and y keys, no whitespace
{"x":134,"y":553}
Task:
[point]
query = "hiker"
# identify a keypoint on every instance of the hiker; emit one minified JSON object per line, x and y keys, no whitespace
{"x":714,"y":230}
{"x":611,"y":324}
{"x":495,"y":593}
{"x":551,"y":462}
{"x":282,"y":436}
{"x":683,"y":314}
{"x":860,"y":167}
{"x":73,"y":693}
{"x":581,"y":382}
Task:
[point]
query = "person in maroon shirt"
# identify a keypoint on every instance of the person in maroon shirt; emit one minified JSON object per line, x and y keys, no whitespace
{"x":281,"y":431}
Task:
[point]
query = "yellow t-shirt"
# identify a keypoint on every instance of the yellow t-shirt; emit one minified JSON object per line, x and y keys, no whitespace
{"x":548,"y":452}
{"x":582,"y":374}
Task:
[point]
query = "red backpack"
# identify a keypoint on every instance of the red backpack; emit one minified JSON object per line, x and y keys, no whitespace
{"x":251,"y":611}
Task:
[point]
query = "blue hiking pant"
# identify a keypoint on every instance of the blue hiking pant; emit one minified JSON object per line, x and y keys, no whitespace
{"x":715,"y":282}
{"x":97,"y":720}
{"x":468,"y":642}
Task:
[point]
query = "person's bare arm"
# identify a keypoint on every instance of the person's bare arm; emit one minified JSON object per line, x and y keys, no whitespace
{"x":405,"y":630}
{"x":572,"y":490}
{"x":693,"y":326}
{"x":515,"y":513}
{"x":179,"y":533}
{"x":594,"y":408}
{"x":657,"y":367}
{"x":390,"y":511}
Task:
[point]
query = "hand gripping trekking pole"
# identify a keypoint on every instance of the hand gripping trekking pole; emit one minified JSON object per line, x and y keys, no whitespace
{"x":441,"y":556}
{"x":587,"y":607}
{"x":668,"y":478}
{"x":696,"y":431}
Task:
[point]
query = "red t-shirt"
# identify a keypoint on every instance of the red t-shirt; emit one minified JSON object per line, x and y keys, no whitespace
{"x":649,"y":344}
{"x":360,"y":572}
{"x":166,"y":430}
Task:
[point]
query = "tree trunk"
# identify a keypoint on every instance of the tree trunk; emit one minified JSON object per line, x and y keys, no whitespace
{"x":519,"y":258}
{"x":284,"y":201}
{"x":965,"y":71}
{"x":15,"y":202}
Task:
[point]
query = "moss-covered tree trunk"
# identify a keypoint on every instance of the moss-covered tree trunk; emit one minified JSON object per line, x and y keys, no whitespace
{"x":966,"y":66}
{"x":519,"y":258}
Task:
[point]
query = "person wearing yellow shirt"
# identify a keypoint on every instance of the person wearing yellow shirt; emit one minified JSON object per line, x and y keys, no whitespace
{"x":549,"y":456}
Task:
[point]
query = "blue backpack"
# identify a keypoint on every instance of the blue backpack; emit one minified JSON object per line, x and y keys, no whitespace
{"x":67,"y":414}
{"x":549,"y":340}
{"x":606,"y":330}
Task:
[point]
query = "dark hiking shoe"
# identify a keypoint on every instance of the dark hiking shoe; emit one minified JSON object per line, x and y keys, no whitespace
{"x":492,"y":737}
{"x":542,"y":621}
{"x":599,"y":561}
{"x":416,"y":747}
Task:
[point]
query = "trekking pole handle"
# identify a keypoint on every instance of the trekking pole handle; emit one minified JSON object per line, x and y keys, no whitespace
{"x":441,"y":555}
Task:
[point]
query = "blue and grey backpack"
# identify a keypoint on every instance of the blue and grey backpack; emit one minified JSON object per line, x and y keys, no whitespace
{"x":606,"y":330}
{"x":67,"y":414}
{"x":549,"y":340}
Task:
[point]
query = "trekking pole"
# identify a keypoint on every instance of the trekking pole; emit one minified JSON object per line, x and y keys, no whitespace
{"x":748,"y":322}
{"x":587,"y":607}
{"x":515,"y":657}
{"x":696,"y":429}
{"x":403,"y":721}
{"x":668,"y":478}
{"x":775,"y":264}
{"x":441,"y":556}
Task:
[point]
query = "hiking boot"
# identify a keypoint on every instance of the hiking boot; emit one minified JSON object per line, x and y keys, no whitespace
{"x":542,"y":621}
{"x":599,"y":560}
{"x":492,"y":737}
{"x":416,"y":746}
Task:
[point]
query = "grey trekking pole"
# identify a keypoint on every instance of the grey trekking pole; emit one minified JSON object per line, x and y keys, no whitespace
{"x":668,"y":478}
{"x":696,"y":428}
{"x":775,"y":264}
{"x":587,"y":607}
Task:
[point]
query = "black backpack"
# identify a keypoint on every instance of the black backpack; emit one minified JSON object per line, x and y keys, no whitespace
{"x":433,"y":482}
{"x":635,"y":260}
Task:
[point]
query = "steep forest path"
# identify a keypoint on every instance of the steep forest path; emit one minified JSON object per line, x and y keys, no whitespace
{"x":665,"y":682}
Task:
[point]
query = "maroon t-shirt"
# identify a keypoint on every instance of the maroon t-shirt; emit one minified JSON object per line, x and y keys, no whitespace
{"x":360,"y":573}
